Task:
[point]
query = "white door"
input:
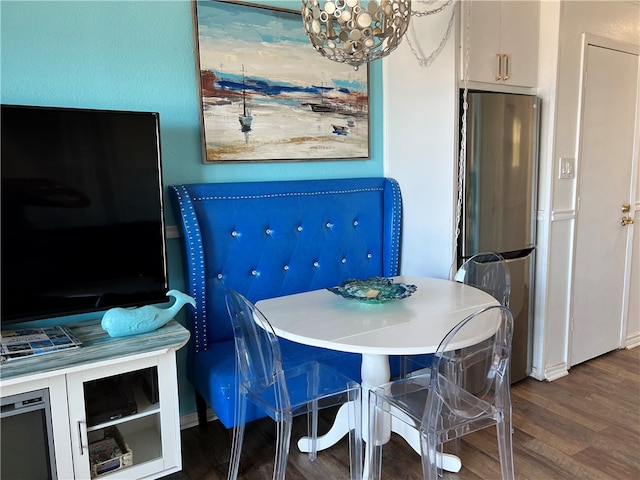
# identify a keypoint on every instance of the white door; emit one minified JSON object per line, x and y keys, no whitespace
{"x":605,"y":166}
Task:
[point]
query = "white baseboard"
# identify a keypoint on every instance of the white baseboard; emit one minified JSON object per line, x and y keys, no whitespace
{"x":537,"y":374}
{"x":556,"y":372}
{"x":632,"y":341}
{"x":191,"y":419}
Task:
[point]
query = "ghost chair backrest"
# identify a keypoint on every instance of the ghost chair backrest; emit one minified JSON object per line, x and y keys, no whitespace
{"x":466,"y":389}
{"x":487,"y":271}
{"x":304,"y":387}
{"x":259,"y":361}
{"x":470,"y":387}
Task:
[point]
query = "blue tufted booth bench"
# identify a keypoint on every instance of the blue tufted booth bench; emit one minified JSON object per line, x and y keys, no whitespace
{"x":268,"y":239}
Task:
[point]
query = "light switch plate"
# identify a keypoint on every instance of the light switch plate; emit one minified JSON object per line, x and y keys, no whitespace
{"x":566,"y":167}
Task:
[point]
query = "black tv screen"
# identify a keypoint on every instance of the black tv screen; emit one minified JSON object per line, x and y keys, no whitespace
{"x":82,"y":211}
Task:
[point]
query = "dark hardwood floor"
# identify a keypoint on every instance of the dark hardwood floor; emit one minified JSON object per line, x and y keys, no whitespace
{"x":582,"y":426}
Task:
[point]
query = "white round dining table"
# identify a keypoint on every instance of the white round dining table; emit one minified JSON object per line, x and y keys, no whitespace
{"x":409,"y":326}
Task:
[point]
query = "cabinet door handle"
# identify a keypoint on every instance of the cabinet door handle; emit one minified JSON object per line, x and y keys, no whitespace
{"x":506,"y":67}
{"x":80,"y":444}
{"x":498,"y":67}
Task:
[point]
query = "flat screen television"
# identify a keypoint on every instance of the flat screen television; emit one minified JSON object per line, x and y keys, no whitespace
{"x":82,"y":211}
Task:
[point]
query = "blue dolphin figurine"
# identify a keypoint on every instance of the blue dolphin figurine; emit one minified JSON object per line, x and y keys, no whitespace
{"x":121,"y":322}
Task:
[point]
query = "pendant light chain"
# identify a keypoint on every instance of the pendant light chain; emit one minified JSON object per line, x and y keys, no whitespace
{"x":426,"y":62}
{"x":462,"y":160}
{"x":431,"y":12}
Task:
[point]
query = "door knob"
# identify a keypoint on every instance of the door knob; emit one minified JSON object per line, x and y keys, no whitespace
{"x":626,"y":208}
{"x":626,"y":221}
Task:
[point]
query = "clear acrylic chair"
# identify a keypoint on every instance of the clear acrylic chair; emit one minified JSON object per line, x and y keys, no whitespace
{"x":303,"y":389}
{"x":487,"y":271}
{"x":466,"y":389}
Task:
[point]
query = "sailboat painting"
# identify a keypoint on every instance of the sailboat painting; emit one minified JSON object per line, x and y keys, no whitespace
{"x":267,"y":96}
{"x":245,"y":117}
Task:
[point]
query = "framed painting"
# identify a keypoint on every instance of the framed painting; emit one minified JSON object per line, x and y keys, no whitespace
{"x":268,"y":96}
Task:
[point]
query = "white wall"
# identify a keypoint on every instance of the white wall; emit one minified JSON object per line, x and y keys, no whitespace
{"x":420,"y":128}
{"x":420,"y":116}
{"x":561,"y":37}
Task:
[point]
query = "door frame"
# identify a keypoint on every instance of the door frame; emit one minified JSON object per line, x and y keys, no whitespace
{"x":597,"y":41}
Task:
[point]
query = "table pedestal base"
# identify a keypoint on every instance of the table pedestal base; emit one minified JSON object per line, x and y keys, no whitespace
{"x":375,"y":371}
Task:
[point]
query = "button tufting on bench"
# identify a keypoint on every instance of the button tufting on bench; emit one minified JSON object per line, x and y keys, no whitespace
{"x":224,"y":236}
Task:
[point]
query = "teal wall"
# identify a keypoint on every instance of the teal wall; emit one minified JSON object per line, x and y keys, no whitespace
{"x":140,"y":55}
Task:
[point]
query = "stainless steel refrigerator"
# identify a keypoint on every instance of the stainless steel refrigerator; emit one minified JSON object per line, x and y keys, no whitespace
{"x":499,"y":200}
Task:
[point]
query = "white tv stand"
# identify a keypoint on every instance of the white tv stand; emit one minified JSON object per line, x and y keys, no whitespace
{"x":152,"y":433}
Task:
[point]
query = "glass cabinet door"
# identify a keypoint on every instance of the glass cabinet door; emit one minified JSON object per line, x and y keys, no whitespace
{"x":123,"y":419}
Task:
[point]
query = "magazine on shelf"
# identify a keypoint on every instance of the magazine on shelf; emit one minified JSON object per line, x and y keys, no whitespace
{"x":26,"y":342}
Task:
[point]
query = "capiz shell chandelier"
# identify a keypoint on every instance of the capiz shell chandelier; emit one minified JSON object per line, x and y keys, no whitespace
{"x":355,"y":31}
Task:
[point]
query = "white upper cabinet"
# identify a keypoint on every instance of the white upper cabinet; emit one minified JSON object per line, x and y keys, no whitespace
{"x":503,"y":42}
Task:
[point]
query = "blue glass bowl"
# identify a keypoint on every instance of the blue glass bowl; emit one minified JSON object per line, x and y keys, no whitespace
{"x":373,"y":290}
